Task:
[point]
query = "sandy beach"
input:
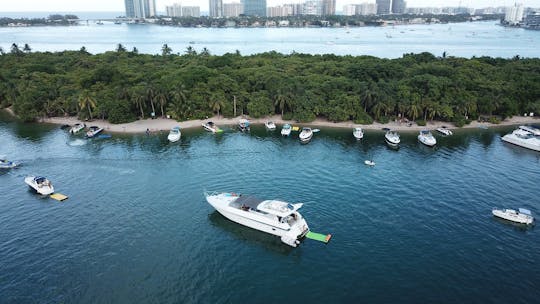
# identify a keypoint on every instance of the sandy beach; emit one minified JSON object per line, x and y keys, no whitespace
{"x":163,"y":124}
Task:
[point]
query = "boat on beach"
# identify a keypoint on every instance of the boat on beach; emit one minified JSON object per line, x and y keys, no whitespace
{"x":275,"y":217}
{"x":93,"y":131}
{"x":286,"y":130}
{"x":76,"y":128}
{"x":174,"y":134}
{"x":211,"y":127}
{"x":524,"y":138}
{"x":521,"y":216}
{"x":358,"y":133}
{"x":270,"y":125}
{"x":427,"y":138}
{"x":243,"y":125}
{"x":306,"y":135}
{"x":445,"y":131}
{"x":40,"y":184}
{"x":392,"y":138}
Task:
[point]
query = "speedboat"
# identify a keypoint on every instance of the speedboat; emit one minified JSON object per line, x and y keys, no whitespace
{"x":270,"y":125}
{"x":369,"y":163}
{"x":358,"y":133}
{"x":522,"y":216}
{"x":76,"y":128}
{"x":243,"y":125}
{"x":6,"y":164}
{"x":286,"y":130}
{"x":306,"y":135}
{"x":211,"y":127}
{"x":174,"y":134}
{"x":445,"y":131}
{"x":523,"y":138}
{"x":39,"y":183}
{"x":392,"y":138}
{"x":93,"y":131}
{"x":271,"y":216}
{"x":427,"y":138}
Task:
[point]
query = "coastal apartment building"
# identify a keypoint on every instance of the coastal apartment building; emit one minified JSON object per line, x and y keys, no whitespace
{"x":254,"y":7}
{"x":329,"y":7}
{"x":177,"y":10}
{"x":363,"y":9}
{"x":216,"y":8}
{"x":233,"y":9}
{"x":384,"y":7}
{"x":140,"y":8}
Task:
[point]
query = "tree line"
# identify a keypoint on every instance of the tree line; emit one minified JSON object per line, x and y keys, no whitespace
{"x":123,"y":85}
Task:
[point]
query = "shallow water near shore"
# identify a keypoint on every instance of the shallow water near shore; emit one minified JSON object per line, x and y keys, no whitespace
{"x":415,"y":228}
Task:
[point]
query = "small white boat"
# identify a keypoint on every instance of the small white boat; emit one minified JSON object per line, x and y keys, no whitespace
{"x":392,"y":138}
{"x":211,"y":127}
{"x":243,"y":125}
{"x":427,"y":138}
{"x":523,"y":138}
{"x":533,"y":130}
{"x":306,"y":135}
{"x":39,"y":183}
{"x":522,"y":216}
{"x":76,"y":128}
{"x":369,"y":163}
{"x":270,"y":125}
{"x":358,"y":133}
{"x":6,"y":164}
{"x":93,"y":131}
{"x":286,"y":130}
{"x":271,"y":216}
{"x":443,"y":130}
{"x":174,"y":134}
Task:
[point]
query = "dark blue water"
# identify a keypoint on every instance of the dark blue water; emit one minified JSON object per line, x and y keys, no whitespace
{"x":416,"y":228}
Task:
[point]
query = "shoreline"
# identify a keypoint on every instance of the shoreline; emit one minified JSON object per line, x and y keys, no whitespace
{"x":165,"y":124}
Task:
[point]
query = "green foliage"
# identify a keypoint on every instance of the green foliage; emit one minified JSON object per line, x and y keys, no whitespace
{"x":363,"y":118}
{"x":420,"y":122}
{"x":494,"y":120}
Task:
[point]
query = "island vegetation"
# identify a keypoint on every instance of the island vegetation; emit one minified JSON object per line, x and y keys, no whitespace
{"x":55,"y":19}
{"x":123,"y":85}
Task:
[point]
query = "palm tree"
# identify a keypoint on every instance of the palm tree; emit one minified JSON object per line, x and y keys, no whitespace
{"x":162,"y":98}
{"x":120,"y":48}
{"x":166,"y":50}
{"x":27,"y":48}
{"x":414,"y":110}
{"x":282,"y":102}
{"x":216,"y":103}
{"x":150,"y":95}
{"x":379,"y":108}
{"x":86,"y":101}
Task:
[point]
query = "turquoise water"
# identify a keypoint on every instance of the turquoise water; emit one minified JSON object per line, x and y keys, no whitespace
{"x":460,"y":39}
{"x":416,"y":228}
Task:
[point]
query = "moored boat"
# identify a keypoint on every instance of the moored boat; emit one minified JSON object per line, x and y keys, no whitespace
{"x":6,"y":164}
{"x":533,"y":130}
{"x":40,"y":184}
{"x":523,"y":138}
{"x":427,"y":138}
{"x":174,"y":134}
{"x":270,"y":125}
{"x":76,"y":128}
{"x":243,"y":125}
{"x":271,"y":216}
{"x":522,"y":216}
{"x":211,"y":127}
{"x":445,"y":131}
{"x":306,"y":135}
{"x":286,"y":130}
{"x":93,"y":131}
{"x":358,"y":133}
{"x":392,"y":138}
{"x":369,"y":163}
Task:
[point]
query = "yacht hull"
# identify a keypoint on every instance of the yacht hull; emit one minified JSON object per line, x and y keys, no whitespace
{"x":521,"y":219}
{"x":532,"y":144}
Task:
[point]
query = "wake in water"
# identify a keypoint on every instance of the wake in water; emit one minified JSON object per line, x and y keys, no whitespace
{"x":77,"y":142}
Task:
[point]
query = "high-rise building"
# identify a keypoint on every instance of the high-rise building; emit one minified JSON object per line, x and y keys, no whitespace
{"x":174,"y":10}
{"x":234,"y":9}
{"x":313,"y":7}
{"x":216,"y":8}
{"x":398,"y":6}
{"x":191,"y":11}
{"x":514,"y":14}
{"x":366,"y":9}
{"x":349,"y":9}
{"x":328,"y":7}
{"x":140,"y":8}
{"x":254,"y":7}
{"x":384,"y":7}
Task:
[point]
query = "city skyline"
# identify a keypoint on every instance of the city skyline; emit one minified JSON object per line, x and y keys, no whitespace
{"x":118,"y":5}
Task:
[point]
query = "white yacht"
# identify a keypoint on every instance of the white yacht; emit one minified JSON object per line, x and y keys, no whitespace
{"x":174,"y":134}
{"x":39,"y":183}
{"x":522,"y":216}
{"x":6,"y":164}
{"x":358,"y":133}
{"x":306,"y":135}
{"x":369,"y":163}
{"x":270,"y":125}
{"x":76,"y":128}
{"x":427,"y":138}
{"x":523,"y":138}
{"x":392,"y":138}
{"x":445,"y":131}
{"x":271,"y":216}
{"x":533,"y":130}
{"x":286,"y":130}
{"x":93,"y":131}
{"x":243,"y":125}
{"x":211,"y":127}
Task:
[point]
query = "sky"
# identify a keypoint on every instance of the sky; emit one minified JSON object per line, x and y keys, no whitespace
{"x":118,"y":5}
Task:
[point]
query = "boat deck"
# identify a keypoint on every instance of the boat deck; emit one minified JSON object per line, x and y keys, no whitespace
{"x":247,"y":201}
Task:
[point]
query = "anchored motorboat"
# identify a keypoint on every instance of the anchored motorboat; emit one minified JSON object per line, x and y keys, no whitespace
{"x":270,"y":125}
{"x":39,"y":183}
{"x":533,"y":130}
{"x":211,"y":127}
{"x":523,"y":138}
{"x":271,"y":216}
{"x":243,"y":125}
{"x":6,"y":164}
{"x":306,"y":135}
{"x":392,"y":138}
{"x":427,"y":138}
{"x":358,"y":133}
{"x":76,"y":128}
{"x":93,"y":131}
{"x":369,"y":163}
{"x":522,"y":216}
{"x":174,"y":134}
{"x":445,"y":131}
{"x":286,"y":130}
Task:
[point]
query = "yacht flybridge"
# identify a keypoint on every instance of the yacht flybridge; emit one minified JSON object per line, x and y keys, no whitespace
{"x":271,"y":216}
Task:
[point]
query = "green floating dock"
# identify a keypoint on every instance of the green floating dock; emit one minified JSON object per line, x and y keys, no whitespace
{"x":325,"y":238}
